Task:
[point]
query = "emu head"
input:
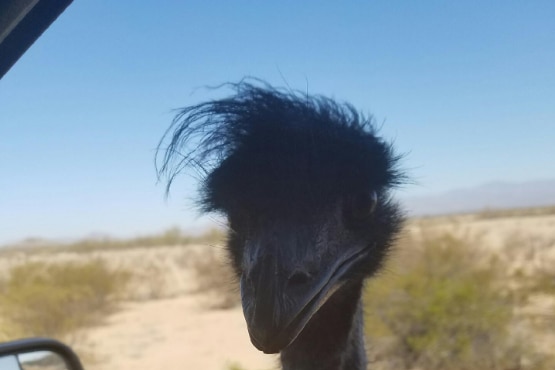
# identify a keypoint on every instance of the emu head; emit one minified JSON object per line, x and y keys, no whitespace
{"x":304,"y":183}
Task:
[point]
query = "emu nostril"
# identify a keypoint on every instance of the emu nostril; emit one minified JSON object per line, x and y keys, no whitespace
{"x":298,"y":278}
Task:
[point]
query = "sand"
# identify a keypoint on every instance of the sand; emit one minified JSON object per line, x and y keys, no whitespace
{"x":176,"y":334}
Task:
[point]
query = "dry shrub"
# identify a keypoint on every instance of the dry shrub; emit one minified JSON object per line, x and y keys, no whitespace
{"x":235,"y":366}
{"x":543,"y":282}
{"x":445,"y":307}
{"x":56,"y":300}
{"x":171,"y":237}
{"x":215,"y":278}
{"x":148,"y":283}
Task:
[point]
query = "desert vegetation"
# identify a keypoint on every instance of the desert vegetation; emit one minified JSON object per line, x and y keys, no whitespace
{"x":215,"y":279}
{"x":452,"y":304}
{"x":467,"y":292}
{"x":171,"y":237}
{"x":57,"y":300}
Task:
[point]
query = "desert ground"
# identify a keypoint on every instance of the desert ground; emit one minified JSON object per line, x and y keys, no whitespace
{"x":175,"y":333}
{"x":167,"y":322}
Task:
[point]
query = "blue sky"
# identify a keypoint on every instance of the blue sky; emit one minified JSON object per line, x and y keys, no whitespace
{"x":466,"y":89}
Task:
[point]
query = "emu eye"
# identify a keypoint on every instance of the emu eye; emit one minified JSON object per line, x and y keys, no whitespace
{"x":361,"y":206}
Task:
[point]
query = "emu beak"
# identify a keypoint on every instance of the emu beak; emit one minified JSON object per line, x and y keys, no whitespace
{"x":278,"y":302}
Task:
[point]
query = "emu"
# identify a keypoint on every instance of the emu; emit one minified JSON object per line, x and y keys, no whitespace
{"x":304,"y":182}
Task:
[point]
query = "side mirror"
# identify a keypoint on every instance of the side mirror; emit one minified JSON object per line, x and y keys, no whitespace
{"x":38,"y":354}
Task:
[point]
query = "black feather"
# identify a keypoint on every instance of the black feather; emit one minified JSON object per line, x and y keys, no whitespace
{"x":262,"y":140}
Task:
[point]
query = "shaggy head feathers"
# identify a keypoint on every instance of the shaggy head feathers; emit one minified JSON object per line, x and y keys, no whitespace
{"x":270,"y":149}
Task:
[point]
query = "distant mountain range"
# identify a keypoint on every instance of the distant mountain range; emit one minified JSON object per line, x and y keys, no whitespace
{"x":496,"y":195}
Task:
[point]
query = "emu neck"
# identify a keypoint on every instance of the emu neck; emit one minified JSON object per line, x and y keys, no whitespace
{"x":333,"y":339}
